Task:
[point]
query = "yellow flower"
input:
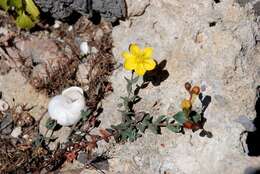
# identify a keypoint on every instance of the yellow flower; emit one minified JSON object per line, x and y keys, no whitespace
{"x":186,"y":104}
{"x":139,"y":60}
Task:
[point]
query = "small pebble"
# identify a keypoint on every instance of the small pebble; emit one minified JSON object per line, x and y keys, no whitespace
{"x":94,"y":50}
{"x":3,"y":31}
{"x":26,"y":136}
{"x":84,"y":48}
{"x":17,"y":131}
{"x":70,"y":28}
{"x":57,"y":24}
{"x":82,"y":157}
{"x":6,"y":125}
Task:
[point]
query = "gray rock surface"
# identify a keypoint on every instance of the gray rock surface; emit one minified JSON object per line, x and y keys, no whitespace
{"x":211,"y":44}
{"x":110,"y":10}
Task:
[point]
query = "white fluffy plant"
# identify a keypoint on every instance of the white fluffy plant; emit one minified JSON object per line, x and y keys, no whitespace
{"x":66,"y":108}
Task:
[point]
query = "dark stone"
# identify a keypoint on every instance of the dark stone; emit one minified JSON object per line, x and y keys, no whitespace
{"x":82,"y":157}
{"x":6,"y":125}
{"x":257,"y":8}
{"x":243,"y":3}
{"x":110,"y":10}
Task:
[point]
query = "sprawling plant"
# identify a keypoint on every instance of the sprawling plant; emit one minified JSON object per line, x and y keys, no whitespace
{"x":25,"y":12}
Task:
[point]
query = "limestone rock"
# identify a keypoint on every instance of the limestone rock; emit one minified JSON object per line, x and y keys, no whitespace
{"x":211,"y":44}
{"x":136,"y":7}
{"x":16,"y":132}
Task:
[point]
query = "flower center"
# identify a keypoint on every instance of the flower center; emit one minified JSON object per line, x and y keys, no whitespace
{"x":140,"y":59}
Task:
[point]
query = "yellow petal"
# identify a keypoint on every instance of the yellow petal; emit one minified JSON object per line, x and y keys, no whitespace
{"x":130,"y":63}
{"x":148,"y":52}
{"x":135,"y":50}
{"x":149,"y":64}
{"x":126,"y":55}
{"x":186,"y":104}
{"x":140,"y":69}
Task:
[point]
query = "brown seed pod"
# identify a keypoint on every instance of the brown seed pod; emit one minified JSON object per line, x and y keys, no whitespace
{"x":187,"y":86}
{"x":196,"y":127}
{"x":187,"y":125}
{"x":195,"y":90}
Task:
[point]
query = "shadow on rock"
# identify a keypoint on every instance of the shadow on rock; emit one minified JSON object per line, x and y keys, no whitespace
{"x":251,"y":170}
{"x":158,"y":75}
{"x":205,"y":101}
{"x":253,"y":138}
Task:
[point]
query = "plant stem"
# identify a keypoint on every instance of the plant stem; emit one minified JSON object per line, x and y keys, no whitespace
{"x":132,"y":77}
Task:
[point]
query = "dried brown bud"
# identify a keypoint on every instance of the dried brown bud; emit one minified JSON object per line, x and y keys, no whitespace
{"x":187,"y":125}
{"x":195,"y":90}
{"x":187,"y":86}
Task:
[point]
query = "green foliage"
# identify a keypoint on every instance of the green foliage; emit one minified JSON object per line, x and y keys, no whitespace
{"x":4,"y":5}
{"x":38,"y":140}
{"x":180,"y":117}
{"x":174,"y":128}
{"x":196,"y":117}
{"x":24,"y":21}
{"x":85,"y":115}
{"x":16,"y":3}
{"x":51,"y":124}
{"x":134,"y":124}
{"x":25,"y":12}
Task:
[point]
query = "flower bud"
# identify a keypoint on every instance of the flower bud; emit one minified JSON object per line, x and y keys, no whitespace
{"x":195,"y":90}
{"x":186,"y":104}
{"x":188,"y":125}
{"x":187,"y":86}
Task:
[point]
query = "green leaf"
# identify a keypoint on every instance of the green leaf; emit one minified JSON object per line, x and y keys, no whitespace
{"x":136,"y":99}
{"x":24,"y":21}
{"x":161,"y":119}
{"x":125,"y":99}
{"x":126,"y":102}
{"x":135,"y":80}
{"x":4,"y":5}
{"x":85,"y":114}
{"x":129,"y":88}
{"x":51,"y":124}
{"x":129,"y":134}
{"x":38,"y":140}
{"x":32,"y":9}
{"x":139,"y":116}
{"x":196,"y":118}
{"x":180,"y":117}
{"x":128,"y":80}
{"x":122,"y":126}
{"x":174,"y":128}
{"x":141,"y":127}
{"x":154,"y":128}
{"x":147,"y":119}
{"x":16,"y":3}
